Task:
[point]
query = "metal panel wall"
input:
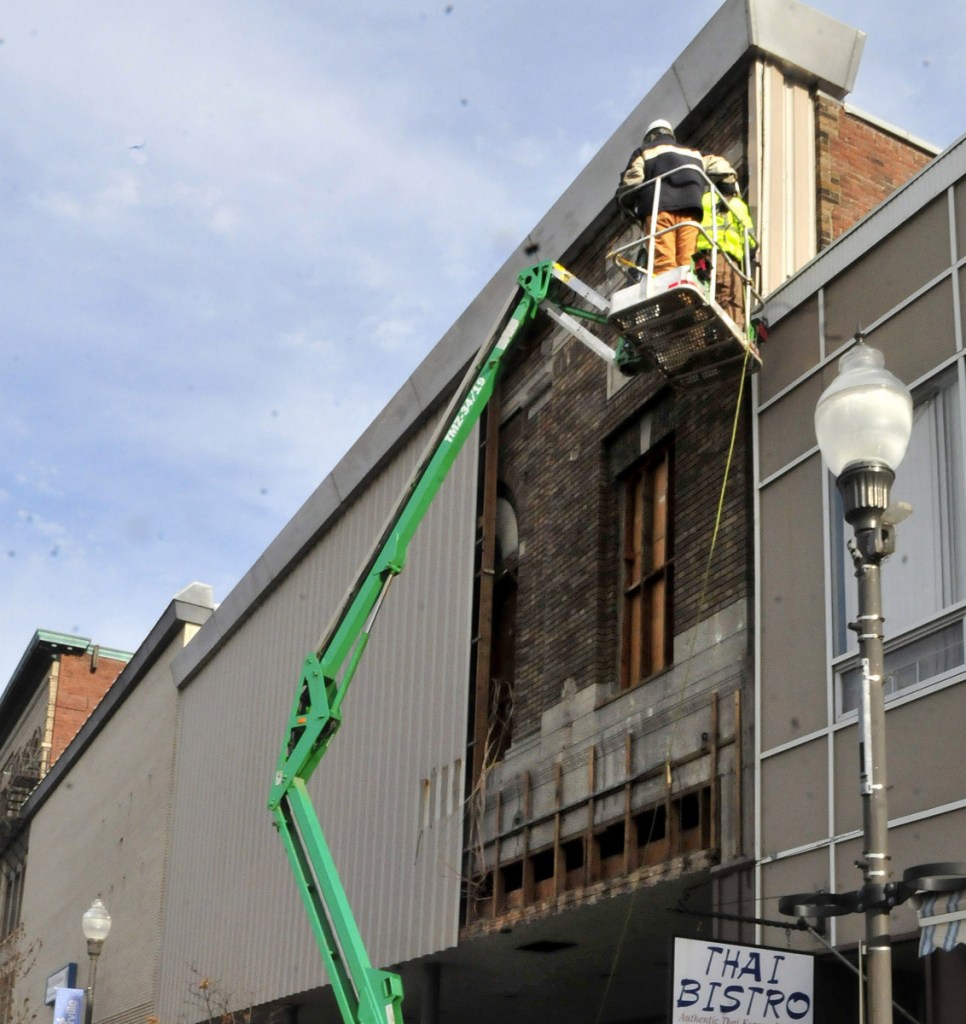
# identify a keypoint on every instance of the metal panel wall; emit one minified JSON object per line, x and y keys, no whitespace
{"x":233,"y":907}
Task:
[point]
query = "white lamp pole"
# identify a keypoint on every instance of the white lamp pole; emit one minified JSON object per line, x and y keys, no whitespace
{"x":96,"y":924}
{"x":863,"y":422}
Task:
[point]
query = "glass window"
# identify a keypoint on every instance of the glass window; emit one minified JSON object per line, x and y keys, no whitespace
{"x":923,"y":581}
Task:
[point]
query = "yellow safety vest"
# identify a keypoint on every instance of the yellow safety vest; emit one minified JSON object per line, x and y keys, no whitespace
{"x":733,"y":222}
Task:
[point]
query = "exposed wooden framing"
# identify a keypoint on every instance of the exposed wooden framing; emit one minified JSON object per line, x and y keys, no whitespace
{"x":559,"y":863}
{"x":591,"y":865}
{"x":713,"y":770}
{"x":739,"y":759}
{"x":496,"y":902}
{"x":484,"y":625}
{"x":670,"y":819}
{"x":527,"y":826}
{"x":630,"y":849}
{"x":593,"y":868}
{"x":643,"y":776}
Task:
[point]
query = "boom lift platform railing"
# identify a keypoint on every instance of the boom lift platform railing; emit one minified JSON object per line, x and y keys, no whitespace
{"x":672,"y":322}
{"x":364,"y":994}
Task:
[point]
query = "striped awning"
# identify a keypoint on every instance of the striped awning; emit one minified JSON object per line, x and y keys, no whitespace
{"x":942,"y":920}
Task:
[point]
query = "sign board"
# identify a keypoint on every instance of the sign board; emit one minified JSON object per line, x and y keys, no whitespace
{"x":722,"y":983}
{"x":69,"y":1006}
{"x":66,"y":977}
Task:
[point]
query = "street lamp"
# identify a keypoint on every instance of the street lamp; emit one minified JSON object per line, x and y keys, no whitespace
{"x":863,"y":422}
{"x":96,"y":924}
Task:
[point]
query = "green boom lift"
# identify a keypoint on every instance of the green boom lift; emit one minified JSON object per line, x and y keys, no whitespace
{"x":364,"y":994}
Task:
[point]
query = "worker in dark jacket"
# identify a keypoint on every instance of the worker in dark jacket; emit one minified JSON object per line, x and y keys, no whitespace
{"x":679,"y":194}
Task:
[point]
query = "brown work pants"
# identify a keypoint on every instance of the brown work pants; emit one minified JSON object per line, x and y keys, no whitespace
{"x":728,"y":290}
{"x":673,"y":247}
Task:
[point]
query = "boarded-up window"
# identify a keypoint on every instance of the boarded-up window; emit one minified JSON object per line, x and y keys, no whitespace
{"x":646,"y":571}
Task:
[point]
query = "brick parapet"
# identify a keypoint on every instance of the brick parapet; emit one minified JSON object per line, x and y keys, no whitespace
{"x":858,"y":165}
{"x":82,"y":681}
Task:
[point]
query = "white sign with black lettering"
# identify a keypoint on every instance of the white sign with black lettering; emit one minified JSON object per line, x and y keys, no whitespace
{"x":721,"y":983}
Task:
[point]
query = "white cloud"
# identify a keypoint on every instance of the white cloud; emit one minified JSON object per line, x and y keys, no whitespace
{"x":122,"y":190}
{"x":60,"y":205}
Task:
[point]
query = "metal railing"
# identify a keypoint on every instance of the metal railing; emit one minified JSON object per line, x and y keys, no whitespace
{"x":635,"y":259}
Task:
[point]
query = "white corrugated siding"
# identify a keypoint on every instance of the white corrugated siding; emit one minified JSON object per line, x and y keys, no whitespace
{"x":233,"y":908}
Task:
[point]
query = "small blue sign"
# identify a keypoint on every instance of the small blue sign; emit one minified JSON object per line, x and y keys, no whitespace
{"x":66,"y":977}
{"x":69,"y":1006}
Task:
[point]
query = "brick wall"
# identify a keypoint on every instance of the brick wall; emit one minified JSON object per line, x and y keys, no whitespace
{"x":83,"y":679}
{"x":858,"y":165}
{"x":724,"y":129}
{"x":554,"y":463}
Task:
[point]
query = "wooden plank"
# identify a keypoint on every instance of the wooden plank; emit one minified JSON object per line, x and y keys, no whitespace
{"x":713,"y":772}
{"x":630,"y":845}
{"x":527,"y":863}
{"x":739,"y":758}
{"x":559,"y":866}
{"x":498,"y":894}
{"x":484,"y":626}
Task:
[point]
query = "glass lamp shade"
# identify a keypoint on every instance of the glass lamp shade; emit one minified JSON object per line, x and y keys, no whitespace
{"x":865,"y":414}
{"x":96,"y":921}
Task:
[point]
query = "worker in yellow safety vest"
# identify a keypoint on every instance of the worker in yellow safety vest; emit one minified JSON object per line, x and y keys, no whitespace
{"x":726,"y":221}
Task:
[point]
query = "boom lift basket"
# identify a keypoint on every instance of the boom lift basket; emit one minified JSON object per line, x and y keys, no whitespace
{"x":680,"y":331}
{"x":671,"y":322}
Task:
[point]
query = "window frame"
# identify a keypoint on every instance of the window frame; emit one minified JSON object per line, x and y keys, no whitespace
{"x":949,"y":466}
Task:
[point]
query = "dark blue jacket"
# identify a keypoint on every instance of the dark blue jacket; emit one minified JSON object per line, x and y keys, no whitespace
{"x":681,"y":190}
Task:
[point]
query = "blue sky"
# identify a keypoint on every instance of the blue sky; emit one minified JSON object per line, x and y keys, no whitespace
{"x":233,"y":229}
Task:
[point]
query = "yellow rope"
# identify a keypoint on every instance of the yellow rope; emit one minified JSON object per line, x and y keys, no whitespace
{"x":724,"y":484}
{"x":703,"y":599}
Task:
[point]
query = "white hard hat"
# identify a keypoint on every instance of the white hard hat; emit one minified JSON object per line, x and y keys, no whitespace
{"x":660,"y":125}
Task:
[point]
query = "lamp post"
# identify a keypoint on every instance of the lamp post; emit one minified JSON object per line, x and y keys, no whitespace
{"x":96,"y":924}
{"x":863,"y":422}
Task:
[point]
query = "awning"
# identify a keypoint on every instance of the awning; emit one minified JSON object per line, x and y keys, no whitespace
{"x":942,"y":918}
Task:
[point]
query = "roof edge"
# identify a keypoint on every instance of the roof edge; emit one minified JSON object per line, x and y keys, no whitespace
{"x":812,"y":44}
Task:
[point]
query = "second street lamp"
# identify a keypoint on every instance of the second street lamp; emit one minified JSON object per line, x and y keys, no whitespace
{"x":96,"y":924}
{"x":863,"y":422}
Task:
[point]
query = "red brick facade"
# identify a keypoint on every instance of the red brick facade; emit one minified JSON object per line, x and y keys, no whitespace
{"x":82,"y":681}
{"x":858,"y":165}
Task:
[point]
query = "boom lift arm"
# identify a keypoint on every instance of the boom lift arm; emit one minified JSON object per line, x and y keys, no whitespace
{"x":366,"y":995}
